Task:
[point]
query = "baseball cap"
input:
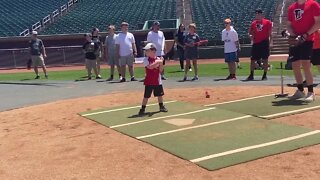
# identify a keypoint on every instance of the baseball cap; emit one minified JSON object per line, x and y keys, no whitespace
{"x":156,"y":23}
{"x":34,"y":33}
{"x":259,"y":11}
{"x":150,"y":46}
{"x":124,"y":24}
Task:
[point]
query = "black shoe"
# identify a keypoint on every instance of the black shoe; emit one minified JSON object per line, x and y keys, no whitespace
{"x":195,"y":78}
{"x":141,"y":112}
{"x":163,"y":109}
{"x":110,"y":79}
{"x":133,"y":79}
{"x":163,"y":78}
{"x":250,"y":78}
{"x":123,"y":80}
{"x":46,"y":76}
{"x":37,"y":77}
{"x":264,"y":78}
{"x":89,"y":78}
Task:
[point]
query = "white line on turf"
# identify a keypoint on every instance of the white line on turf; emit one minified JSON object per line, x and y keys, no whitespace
{"x":255,"y":146}
{"x":194,"y":127}
{"x":164,"y":117}
{"x":239,"y":100}
{"x":290,"y":112}
{"x":121,"y":109}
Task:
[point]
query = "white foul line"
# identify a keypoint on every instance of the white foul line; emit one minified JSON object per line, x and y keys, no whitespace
{"x":290,"y":112}
{"x":164,"y":117}
{"x":121,"y":109}
{"x":239,"y":100}
{"x":194,"y":127}
{"x":254,"y":147}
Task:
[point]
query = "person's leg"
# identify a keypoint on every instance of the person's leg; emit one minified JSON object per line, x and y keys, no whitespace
{"x":186,"y":69}
{"x":306,"y":65}
{"x":119,"y":71}
{"x":98,"y":65}
{"x":265,"y":69}
{"x":131,"y":71}
{"x":89,"y":68}
{"x":195,"y":66}
{"x":147,"y":94}
{"x":181,"y":58}
{"x":111,"y":71}
{"x":232,"y":67}
{"x":95,"y":69}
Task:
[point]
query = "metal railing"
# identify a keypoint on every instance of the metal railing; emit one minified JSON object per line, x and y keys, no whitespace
{"x":56,"y":56}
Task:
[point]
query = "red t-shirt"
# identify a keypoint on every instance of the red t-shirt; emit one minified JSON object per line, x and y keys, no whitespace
{"x":316,"y":40}
{"x":302,"y":16}
{"x":153,"y":76}
{"x":260,"y":30}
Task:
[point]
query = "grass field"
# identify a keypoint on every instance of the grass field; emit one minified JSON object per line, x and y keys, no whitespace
{"x":205,"y":70}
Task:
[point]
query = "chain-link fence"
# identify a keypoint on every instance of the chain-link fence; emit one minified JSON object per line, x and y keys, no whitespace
{"x":17,"y":58}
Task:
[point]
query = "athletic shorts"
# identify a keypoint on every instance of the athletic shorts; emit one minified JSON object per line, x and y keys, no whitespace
{"x":230,"y":57}
{"x":191,"y":54}
{"x":260,"y":50}
{"x":301,"y":52}
{"x":113,"y":61}
{"x":126,"y":60}
{"x":37,"y":61}
{"x":156,"y":89}
{"x":315,"y":58}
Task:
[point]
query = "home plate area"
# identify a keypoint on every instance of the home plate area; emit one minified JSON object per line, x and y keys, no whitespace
{"x":217,"y":135}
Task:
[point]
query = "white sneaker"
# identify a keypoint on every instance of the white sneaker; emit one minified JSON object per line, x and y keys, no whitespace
{"x":310,"y":97}
{"x":297,"y":95}
{"x":190,"y":70}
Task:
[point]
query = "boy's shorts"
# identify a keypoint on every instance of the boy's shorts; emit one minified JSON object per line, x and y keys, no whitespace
{"x":315,"y":58}
{"x":230,"y":57}
{"x":156,"y":89}
{"x":37,"y":61}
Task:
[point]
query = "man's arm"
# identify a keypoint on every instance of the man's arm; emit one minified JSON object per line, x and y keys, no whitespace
{"x":316,"y":25}
{"x":106,"y":46}
{"x":289,"y":29}
{"x":43,"y":50}
{"x":270,"y":35}
{"x":134,"y":47}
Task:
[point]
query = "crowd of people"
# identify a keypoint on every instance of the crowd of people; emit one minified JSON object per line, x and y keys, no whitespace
{"x":119,"y":50}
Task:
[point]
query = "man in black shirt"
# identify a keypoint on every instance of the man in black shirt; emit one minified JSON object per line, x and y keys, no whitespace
{"x":90,"y":49}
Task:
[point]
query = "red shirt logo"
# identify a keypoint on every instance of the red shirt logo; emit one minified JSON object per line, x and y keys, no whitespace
{"x":259,"y":27}
{"x":298,"y":14}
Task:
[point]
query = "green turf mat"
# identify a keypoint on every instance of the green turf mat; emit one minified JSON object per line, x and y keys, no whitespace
{"x":269,"y":107}
{"x":208,"y":131}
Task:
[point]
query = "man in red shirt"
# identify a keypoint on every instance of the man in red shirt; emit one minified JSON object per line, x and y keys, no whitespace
{"x":153,"y":68}
{"x":303,"y":21}
{"x":260,"y":33}
{"x":315,"y":58}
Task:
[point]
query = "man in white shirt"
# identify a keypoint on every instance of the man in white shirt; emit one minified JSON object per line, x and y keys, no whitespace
{"x":156,"y":37}
{"x":126,"y":51}
{"x":231,"y":46}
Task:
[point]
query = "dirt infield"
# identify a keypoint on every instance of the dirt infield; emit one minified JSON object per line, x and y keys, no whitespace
{"x":51,"y":141}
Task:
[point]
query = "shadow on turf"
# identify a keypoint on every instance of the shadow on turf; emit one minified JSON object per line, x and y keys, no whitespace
{"x":147,"y":114}
{"x":288,"y":102}
{"x":27,"y":84}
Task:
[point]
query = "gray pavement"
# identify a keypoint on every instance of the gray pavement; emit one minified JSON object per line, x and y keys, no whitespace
{"x":21,"y":94}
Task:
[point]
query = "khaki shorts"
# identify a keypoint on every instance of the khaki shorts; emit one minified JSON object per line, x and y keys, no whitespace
{"x":113,"y":61}
{"x":37,"y":61}
{"x":126,"y":60}
{"x":91,"y":64}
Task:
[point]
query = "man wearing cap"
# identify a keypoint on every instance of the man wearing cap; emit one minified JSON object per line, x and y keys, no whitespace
{"x":126,"y":51}
{"x":231,"y":46}
{"x":303,"y":21}
{"x":261,"y":33}
{"x":156,"y":37}
{"x":38,"y":53}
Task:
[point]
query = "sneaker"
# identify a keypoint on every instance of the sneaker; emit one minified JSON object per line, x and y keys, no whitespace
{"x":98,"y":77}
{"x":190,"y":70}
{"x":163,"y":109}
{"x":110,"y":79}
{"x":89,"y":78}
{"x":163,"y":78}
{"x":141,"y":112}
{"x":37,"y":77}
{"x":46,"y":76}
{"x":310,"y":97}
{"x":182,"y":70}
{"x":297,"y":95}
{"x":185,"y":79}
{"x":264,"y":78}
{"x":133,"y":79}
{"x":195,"y":78}
{"x":250,"y":78}
{"x":123,"y":80}
{"x":229,"y":77}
